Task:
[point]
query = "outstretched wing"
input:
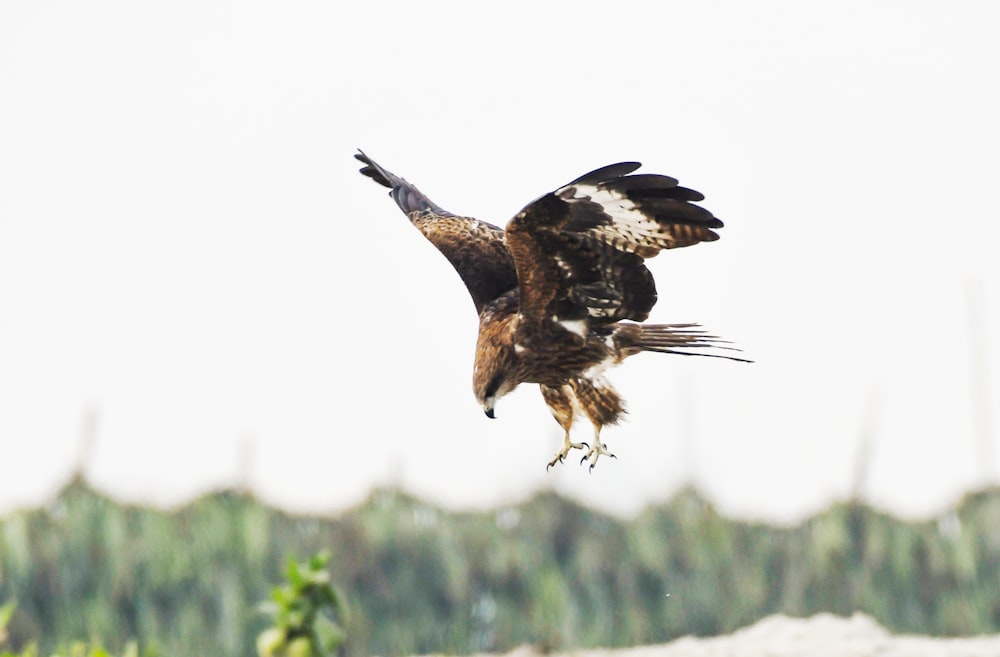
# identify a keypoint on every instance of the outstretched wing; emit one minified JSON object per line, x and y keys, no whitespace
{"x":477,"y":250}
{"x":579,"y":250}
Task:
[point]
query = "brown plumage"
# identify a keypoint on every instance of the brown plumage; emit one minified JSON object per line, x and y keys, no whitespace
{"x":561,"y":290}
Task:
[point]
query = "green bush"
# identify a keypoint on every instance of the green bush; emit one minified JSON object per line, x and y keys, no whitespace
{"x":300,"y":627}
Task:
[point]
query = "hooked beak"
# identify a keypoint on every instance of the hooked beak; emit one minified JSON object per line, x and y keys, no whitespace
{"x":489,"y":413}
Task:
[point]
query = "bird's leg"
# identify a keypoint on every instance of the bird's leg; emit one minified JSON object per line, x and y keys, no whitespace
{"x":602,"y":406}
{"x":562,"y":453}
{"x":597,"y":450}
{"x":563,"y":407}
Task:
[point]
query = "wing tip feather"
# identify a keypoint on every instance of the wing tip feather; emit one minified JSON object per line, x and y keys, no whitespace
{"x":606,"y":173}
{"x":373,"y":170}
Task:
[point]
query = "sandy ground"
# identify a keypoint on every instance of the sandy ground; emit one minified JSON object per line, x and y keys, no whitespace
{"x":823,"y":635}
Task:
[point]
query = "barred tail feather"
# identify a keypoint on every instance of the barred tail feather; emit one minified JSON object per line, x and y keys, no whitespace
{"x":681,"y":339}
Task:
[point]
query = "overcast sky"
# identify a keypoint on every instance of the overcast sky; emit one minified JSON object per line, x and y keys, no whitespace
{"x":193,"y":273}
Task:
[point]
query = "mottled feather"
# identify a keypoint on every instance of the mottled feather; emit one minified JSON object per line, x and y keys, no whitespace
{"x":582,"y":246}
{"x":476,"y":249}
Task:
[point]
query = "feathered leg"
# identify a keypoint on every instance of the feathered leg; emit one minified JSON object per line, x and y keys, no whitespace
{"x":602,"y":406}
{"x":563,"y":407}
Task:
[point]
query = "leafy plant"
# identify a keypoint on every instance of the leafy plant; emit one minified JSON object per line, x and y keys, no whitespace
{"x":300,"y":626}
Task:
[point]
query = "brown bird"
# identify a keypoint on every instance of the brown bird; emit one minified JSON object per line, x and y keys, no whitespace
{"x":561,"y":291}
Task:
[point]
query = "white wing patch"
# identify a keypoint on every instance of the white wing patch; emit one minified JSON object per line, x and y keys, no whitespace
{"x":578,"y":326}
{"x":629,"y":228}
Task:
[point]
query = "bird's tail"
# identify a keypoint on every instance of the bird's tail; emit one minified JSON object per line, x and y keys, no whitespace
{"x":681,"y":339}
{"x":407,"y":197}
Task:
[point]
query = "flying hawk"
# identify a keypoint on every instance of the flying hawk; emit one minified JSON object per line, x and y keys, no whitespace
{"x":562,"y":290}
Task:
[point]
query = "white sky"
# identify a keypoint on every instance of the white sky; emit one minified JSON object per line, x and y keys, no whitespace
{"x":188,"y":254}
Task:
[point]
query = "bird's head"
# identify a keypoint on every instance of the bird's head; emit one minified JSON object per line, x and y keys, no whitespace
{"x":496,"y":369}
{"x":490,"y":389}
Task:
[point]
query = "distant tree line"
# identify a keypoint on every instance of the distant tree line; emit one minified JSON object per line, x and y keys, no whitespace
{"x":418,"y":580}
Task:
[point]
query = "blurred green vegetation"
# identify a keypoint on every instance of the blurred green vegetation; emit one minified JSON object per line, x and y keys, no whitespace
{"x":419,"y":580}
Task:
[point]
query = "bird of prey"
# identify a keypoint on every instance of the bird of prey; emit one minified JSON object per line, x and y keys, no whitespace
{"x":562,"y":290}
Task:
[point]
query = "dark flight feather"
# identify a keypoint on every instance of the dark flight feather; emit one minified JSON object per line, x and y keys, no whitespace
{"x":476,"y":249}
{"x":583,"y":245}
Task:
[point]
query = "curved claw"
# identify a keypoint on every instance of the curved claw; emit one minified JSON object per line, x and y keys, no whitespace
{"x":596,"y":453}
{"x":560,"y":456}
{"x":559,"y":459}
